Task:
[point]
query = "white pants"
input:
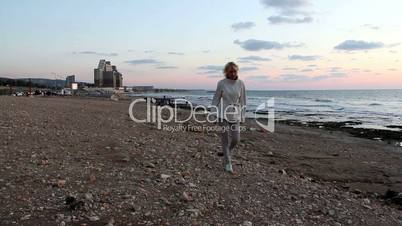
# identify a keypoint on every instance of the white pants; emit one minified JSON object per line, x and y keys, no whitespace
{"x":230,"y":136}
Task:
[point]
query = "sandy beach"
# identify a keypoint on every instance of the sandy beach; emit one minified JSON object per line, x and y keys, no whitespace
{"x":76,"y":161}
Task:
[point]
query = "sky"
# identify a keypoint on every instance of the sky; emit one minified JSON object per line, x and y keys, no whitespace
{"x":278,"y":44}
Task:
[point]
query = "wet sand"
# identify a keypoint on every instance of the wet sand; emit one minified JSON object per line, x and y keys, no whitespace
{"x":112,"y":170}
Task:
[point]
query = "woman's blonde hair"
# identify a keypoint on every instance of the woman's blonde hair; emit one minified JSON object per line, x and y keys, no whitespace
{"x":228,"y":66}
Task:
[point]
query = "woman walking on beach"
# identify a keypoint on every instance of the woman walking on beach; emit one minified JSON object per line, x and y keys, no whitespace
{"x":230,"y":100}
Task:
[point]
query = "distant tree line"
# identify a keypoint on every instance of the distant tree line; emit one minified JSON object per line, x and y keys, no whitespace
{"x":18,"y":82}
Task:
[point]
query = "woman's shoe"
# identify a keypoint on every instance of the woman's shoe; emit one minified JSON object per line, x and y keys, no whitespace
{"x":228,"y":168}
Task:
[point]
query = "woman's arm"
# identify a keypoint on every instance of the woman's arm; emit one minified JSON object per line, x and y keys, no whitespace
{"x":218,"y":95}
{"x":215,"y":102}
{"x":243,"y":99}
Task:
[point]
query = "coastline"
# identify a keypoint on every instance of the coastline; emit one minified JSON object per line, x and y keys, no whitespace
{"x":89,"y":149}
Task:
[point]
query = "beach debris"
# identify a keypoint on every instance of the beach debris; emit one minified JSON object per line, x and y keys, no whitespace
{"x":61,"y":183}
{"x":283,"y":172}
{"x":73,"y":203}
{"x":92,"y":178}
{"x":391,"y":196}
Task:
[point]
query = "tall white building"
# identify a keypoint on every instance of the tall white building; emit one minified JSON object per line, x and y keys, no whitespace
{"x":106,"y":75}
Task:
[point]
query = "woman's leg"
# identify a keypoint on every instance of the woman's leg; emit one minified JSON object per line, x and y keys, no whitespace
{"x":234,"y":134}
{"x":225,"y":141}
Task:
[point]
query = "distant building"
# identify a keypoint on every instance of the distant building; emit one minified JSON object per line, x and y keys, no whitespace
{"x":106,"y":75}
{"x":69,"y":80}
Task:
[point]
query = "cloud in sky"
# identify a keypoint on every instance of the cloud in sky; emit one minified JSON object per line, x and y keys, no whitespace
{"x":248,"y":69}
{"x":217,"y":69}
{"x":289,"y":69}
{"x":288,"y":11}
{"x":335,"y":69}
{"x":166,"y":67}
{"x":293,"y":77}
{"x":250,"y":59}
{"x":353,"y":45}
{"x":242,"y":25}
{"x":143,"y":61}
{"x":331,"y":75}
{"x":307,"y":70}
{"x":215,"y":76}
{"x":257,"y":45}
{"x":257,"y":77}
{"x":210,"y":69}
{"x":290,"y":77}
{"x":303,"y":58}
{"x":285,"y":4}
{"x":176,"y":53}
{"x":289,"y":20}
{"x":305,"y":78}
{"x":370,"y":26}
{"x":394,"y":45}
{"x":96,"y":53}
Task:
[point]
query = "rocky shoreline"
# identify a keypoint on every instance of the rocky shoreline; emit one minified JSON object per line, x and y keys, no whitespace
{"x":83,"y":161}
{"x":388,"y":136}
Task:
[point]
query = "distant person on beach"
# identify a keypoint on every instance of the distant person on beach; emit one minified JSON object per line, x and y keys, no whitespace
{"x":230,"y":100}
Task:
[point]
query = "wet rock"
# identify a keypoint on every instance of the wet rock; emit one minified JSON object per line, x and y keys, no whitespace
{"x":111,"y":222}
{"x":283,"y":172}
{"x":192,"y":185}
{"x":165,"y":176}
{"x":366,"y":201}
{"x":26,"y":217}
{"x":187,"y":197}
{"x":89,"y":197}
{"x":180,"y":180}
{"x":93,"y":218}
{"x":150,"y":165}
{"x":194,"y":212}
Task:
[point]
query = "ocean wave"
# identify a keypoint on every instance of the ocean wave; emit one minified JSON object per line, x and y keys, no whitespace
{"x":323,"y":100}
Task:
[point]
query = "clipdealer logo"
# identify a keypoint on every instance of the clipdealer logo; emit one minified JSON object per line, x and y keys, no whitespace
{"x":154,"y":113}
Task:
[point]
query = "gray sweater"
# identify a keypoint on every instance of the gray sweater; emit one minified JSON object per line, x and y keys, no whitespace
{"x":230,"y":95}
